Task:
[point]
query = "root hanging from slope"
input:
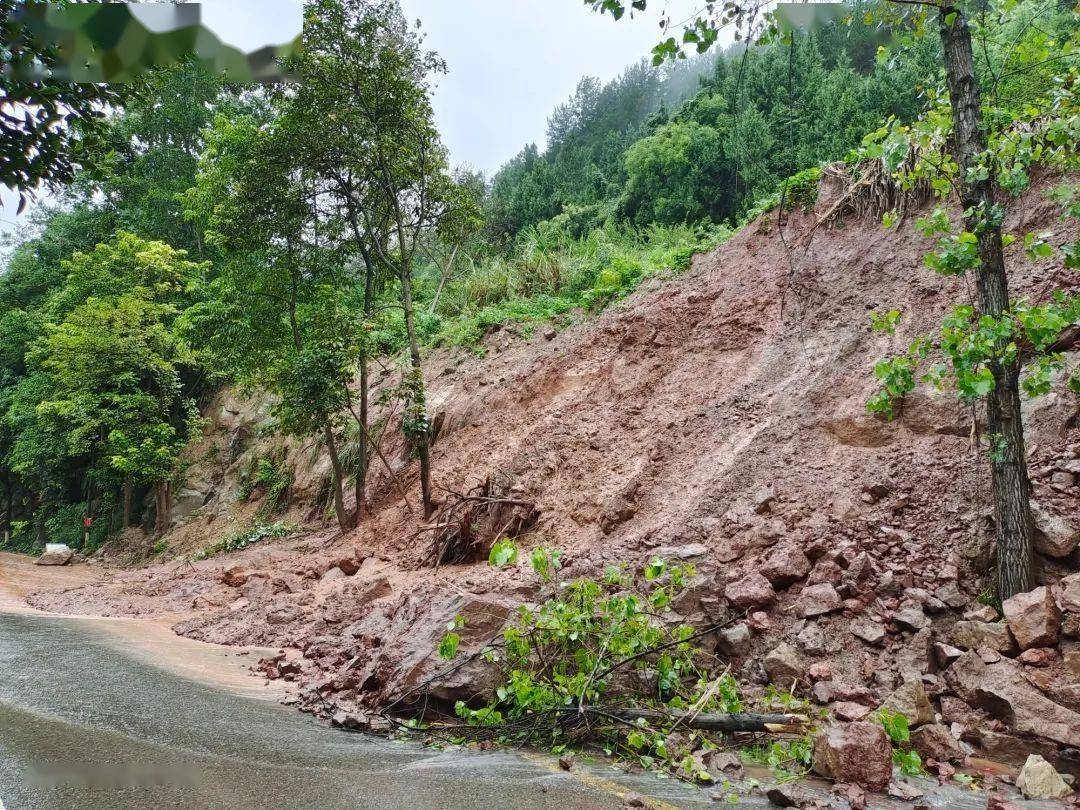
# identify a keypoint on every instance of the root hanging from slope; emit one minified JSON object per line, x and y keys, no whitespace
{"x":872,"y":191}
{"x":469,"y":523}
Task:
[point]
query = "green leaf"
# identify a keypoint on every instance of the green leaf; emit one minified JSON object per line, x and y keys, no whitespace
{"x":503,"y":553}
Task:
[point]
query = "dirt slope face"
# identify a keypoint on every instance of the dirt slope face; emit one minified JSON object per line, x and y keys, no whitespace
{"x":719,"y":417}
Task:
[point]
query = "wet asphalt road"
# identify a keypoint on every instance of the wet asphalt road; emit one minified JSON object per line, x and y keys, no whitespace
{"x":83,"y":725}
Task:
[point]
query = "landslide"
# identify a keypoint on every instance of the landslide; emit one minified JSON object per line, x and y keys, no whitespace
{"x":718,"y":416}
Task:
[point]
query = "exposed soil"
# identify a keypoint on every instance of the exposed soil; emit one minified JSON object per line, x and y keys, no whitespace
{"x":718,"y":416}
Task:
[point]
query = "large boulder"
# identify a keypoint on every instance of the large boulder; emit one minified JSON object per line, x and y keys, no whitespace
{"x":1033,"y":618}
{"x":856,"y":753}
{"x":1055,"y":536}
{"x":1002,"y":690}
{"x":969,"y":635}
{"x":55,"y":554}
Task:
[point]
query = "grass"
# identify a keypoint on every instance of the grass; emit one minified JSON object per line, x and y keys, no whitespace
{"x":551,"y":274}
{"x":242,"y":539}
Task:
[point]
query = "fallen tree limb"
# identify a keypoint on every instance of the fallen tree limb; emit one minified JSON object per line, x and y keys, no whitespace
{"x":771,"y":723}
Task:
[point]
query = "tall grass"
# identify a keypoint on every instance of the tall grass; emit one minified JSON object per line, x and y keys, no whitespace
{"x":550,"y":273}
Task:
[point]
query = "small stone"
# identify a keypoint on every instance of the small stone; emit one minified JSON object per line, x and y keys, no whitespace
{"x":981,"y":613}
{"x":235,"y":577}
{"x":849,"y":710}
{"x":911,"y":618}
{"x":783,"y":665}
{"x":785,"y":566}
{"x":811,"y":639}
{"x":734,"y":642}
{"x":1070,"y":593}
{"x":334,"y":573}
{"x":1033,"y":618}
{"x":869,"y":631}
{"x":1039,"y":780}
{"x":1038,"y":657}
{"x":1072,"y":663}
{"x":817,"y":600}
{"x":826,"y":692}
{"x":912,"y":702}
{"x":550,"y":334}
{"x":934,"y":741}
{"x":789,"y":795}
{"x":349,"y":565}
{"x":859,"y":753}
{"x":763,"y":500}
{"x":946,"y":654}
{"x":951,"y":595}
{"x":753,"y":590}
{"x":820,"y":671}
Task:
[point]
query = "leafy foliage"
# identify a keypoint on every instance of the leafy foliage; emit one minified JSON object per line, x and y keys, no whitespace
{"x":603,"y":644}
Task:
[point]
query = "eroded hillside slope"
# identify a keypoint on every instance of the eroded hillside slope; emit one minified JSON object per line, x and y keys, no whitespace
{"x":719,"y":417}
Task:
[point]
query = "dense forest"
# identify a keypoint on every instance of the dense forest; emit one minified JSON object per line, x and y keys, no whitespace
{"x":284,"y":238}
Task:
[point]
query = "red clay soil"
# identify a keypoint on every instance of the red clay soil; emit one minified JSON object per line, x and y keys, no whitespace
{"x":719,"y":416}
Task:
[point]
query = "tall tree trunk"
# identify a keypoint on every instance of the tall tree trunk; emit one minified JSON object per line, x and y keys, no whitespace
{"x":1004,"y":422}
{"x":128,"y":496}
{"x":362,"y":457}
{"x":162,"y":506}
{"x":41,"y":534}
{"x":339,"y":476}
{"x":423,"y":440}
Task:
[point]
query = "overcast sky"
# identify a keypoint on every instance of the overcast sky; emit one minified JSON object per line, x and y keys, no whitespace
{"x":510,"y":62}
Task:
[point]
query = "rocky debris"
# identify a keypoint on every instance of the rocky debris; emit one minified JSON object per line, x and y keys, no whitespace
{"x":935,"y":741}
{"x":753,"y":590}
{"x":763,"y":500}
{"x":1038,"y":657}
{"x":817,"y":600}
{"x":951,"y":595}
{"x":1055,"y":536}
{"x":911,"y":618}
{"x":847,"y":710}
{"x":783,"y":665}
{"x":349,"y":565}
{"x":981,"y":613}
{"x":1033,"y":618}
{"x":235,"y":577}
{"x":790,"y":794}
{"x":912,"y":702}
{"x":857,"y":753}
{"x":945,"y":654}
{"x":1068,"y":593}
{"x":868,"y":630}
{"x":734,"y":641}
{"x":825,"y":692}
{"x":785,"y":566}
{"x":1039,"y":780}
{"x":973,"y":635}
{"x":811,"y":639}
{"x":1001,"y":689}
{"x":55,"y":554}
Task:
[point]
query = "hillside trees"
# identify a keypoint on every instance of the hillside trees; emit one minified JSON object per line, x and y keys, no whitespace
{"x":281,"y":312}
{"x":101,"y":391}
{"x":365,"y":50}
